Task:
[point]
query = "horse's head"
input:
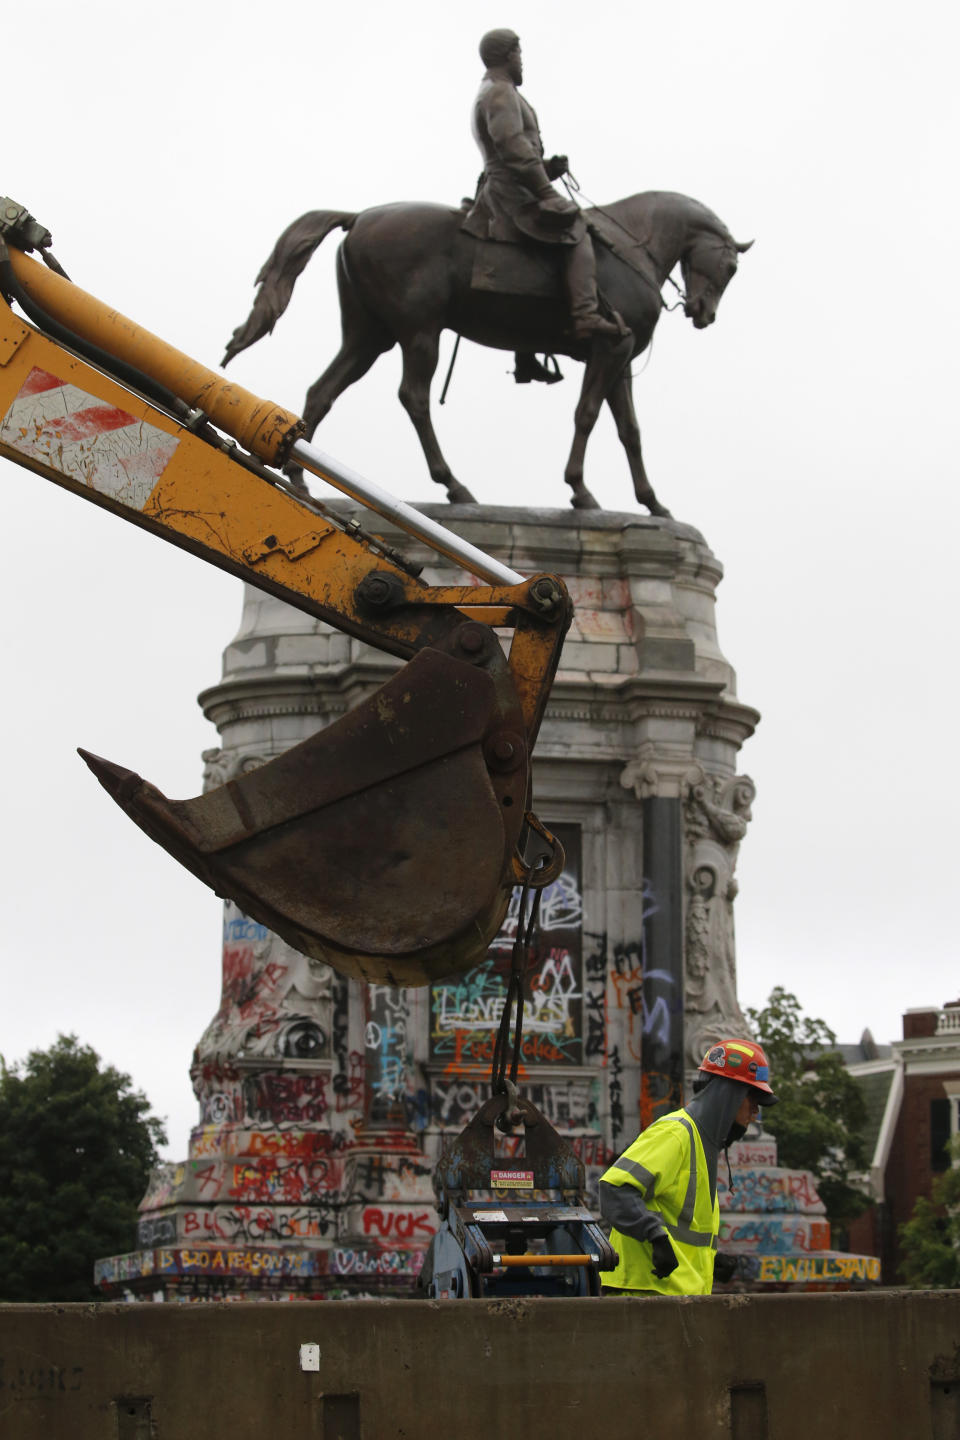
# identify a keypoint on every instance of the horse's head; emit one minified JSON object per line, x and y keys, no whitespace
{"x":708,"y":265}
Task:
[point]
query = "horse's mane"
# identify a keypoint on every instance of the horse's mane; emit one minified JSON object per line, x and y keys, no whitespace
{"x":647,"y":202}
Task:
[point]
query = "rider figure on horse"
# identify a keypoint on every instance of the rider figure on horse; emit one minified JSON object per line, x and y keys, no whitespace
{"x":515,"y":199}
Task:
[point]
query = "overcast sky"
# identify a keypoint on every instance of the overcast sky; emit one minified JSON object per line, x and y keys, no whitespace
{"x":810,"y":435}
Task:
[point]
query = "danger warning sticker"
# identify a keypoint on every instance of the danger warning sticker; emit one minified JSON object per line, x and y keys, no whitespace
{"x":511,"y":1179}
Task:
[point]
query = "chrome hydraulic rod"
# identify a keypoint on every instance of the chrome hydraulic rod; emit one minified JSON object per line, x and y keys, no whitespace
{"x":438,"y":537}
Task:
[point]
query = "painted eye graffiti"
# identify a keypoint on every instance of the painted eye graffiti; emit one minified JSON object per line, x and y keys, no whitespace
{"x":304,"y":1040}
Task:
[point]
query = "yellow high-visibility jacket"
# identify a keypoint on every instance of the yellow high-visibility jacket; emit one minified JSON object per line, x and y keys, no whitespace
{"x":667,"y":1165}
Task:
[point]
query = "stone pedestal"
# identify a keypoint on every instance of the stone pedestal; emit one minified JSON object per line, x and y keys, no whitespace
{"x":774,"y":1222}
{"x":323,"y":1102}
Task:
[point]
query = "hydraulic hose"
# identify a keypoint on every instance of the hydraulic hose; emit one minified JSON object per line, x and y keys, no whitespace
{"x":126,"y":374}
{"x":266,"y":429}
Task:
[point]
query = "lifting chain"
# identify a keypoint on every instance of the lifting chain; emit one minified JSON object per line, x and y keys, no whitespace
{"x":535,"y":877}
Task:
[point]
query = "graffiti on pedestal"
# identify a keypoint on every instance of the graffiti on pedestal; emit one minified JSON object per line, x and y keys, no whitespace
{"x":387,"y":1054}
{"x":465,"y":1011}
{"x":814,"y":1269}
{"x":771,"y":1189}
{"x":244,"y":1262}
{"x":275,"y":1005}
{"x":772,"y":1234}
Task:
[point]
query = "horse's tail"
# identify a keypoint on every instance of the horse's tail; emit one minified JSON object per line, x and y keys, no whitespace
{"x":279,"y":274}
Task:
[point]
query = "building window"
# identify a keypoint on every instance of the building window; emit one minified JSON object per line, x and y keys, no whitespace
{"x":939,"y":1134}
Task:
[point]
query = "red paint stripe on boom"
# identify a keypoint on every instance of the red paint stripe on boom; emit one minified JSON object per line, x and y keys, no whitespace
{"x":39,"y":380}
{"x":83,"y":424}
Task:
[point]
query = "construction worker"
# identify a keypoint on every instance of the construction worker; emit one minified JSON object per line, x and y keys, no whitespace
{"x":660,"y":1197}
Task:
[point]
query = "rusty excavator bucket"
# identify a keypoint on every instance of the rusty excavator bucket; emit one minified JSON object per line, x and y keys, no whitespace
{"x":384,"y":843}
{"x":387,"y":844}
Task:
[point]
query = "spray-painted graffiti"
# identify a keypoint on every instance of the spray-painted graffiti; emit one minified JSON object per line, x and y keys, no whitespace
{"x":376,"y":1262}
{"x":287,"y":1098}
{"x":594,"y":1001}
{"x":258,"y":1224}
{"x":817,"y":1269}
{"x":166,"y":1181}
{"x":213,"y":1141}
{"x":156,"y":1230}
{"x":466,"y":1012}
{"x":20,"y":1383}
{"x":120,"y":1269}
{"x":748,"y":1153}
{"x":387,"y":1053}
{"x":771,"y":1190}
{"x":593,"y":1150}
{"x":772,"y":1235}
{"x":242,"y":1262}
{"x":631,"y":1012}
{"x":615,"y":1091}
{"x":290,"y":1182}
{"x":568,"y":1105}
{"x":391,"y":1177}
{"x":393,"y":1224}
{"x":275,"y":1002}
{"x":291,"y":1178}
{"x":561,"y":904}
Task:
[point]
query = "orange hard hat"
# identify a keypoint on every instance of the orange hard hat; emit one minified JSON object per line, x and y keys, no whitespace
{"x":742,"y":1060}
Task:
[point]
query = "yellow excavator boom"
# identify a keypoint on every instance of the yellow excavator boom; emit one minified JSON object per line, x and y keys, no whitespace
{"x":387,"y":844}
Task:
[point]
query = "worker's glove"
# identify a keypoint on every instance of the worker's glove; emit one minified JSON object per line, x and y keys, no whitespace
{"x":664,"y":1257}
{"x":725,"y":1268}
{"x":556,"y":166}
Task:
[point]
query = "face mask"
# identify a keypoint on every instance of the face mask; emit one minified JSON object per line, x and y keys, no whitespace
{"x":735,"y":1133}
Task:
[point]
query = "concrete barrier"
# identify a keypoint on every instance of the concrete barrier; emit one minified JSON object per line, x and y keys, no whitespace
{"x":779,"y":1367}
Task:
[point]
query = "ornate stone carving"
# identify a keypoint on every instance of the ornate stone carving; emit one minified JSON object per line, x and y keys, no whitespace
{"x":219,"y":766}
{"x":717,"y":812}
{"x":275,"y":1001}
{"x":667,"y":777}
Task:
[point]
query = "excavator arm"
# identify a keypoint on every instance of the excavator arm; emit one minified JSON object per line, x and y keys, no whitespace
{"x":388,"y":843}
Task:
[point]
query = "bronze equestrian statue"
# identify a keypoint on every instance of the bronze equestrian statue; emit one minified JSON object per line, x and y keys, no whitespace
{"x":516,"y":201}
{"x":407,"y":272}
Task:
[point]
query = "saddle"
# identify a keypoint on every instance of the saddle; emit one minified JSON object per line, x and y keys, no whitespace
{"x":503,"y":267}
{"x":506,"y":267}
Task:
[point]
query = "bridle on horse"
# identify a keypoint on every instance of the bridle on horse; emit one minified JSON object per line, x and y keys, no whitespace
{"x":574,"y":189}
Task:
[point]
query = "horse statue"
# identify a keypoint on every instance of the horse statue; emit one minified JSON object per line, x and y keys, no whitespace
{"x":406,"y":272}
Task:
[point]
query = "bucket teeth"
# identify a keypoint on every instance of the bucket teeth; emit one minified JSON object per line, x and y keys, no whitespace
{"x":119,"y":782}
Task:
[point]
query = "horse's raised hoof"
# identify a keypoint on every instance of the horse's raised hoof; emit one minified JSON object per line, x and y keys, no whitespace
{"x":458,"y":494}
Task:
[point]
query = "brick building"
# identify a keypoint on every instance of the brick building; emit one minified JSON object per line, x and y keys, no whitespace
{"x":913,"y":1104}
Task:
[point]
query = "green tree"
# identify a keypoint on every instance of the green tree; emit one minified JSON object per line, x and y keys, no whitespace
{"x":820,"y":1119}
{"x":76,"y":1147}
{"x":930,"y":1239}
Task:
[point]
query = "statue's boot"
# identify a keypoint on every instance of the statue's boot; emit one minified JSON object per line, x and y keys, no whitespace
{"x":528,"y":368}
{"x":581,"y":282}
{"x":585,"y":327}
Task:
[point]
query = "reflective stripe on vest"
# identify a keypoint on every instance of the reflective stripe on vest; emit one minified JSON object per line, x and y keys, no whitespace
{"x":639,"y":1172}
{"x":682,"y":1231}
